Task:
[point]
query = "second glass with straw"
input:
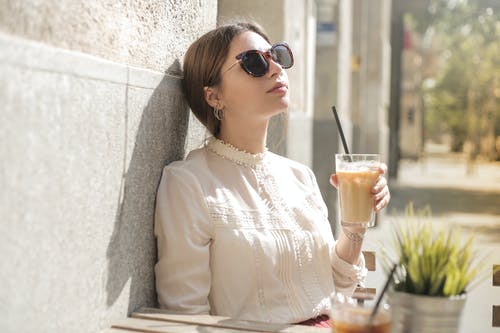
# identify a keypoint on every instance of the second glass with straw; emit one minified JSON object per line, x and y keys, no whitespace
{"x":357,"y":174}
{"x":351,"y":316}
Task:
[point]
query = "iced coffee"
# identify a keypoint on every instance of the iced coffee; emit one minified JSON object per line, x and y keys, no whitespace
{"x":349,"y":316}
{"x":357,"y":174}
{"x":357,"y":320}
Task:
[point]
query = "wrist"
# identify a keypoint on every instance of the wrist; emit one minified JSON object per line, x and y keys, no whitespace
{"x":356,"y":235}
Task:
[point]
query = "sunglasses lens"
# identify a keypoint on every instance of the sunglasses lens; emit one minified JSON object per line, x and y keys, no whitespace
{"x":255,"y":64}
{"x":282,"y":55}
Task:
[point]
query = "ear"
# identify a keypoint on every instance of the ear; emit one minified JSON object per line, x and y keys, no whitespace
{"x":212,"y":96}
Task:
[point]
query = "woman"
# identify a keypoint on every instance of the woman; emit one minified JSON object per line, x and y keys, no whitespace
{"x":243,"y":232}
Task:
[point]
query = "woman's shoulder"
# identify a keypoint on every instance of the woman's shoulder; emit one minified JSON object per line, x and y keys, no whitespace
{"x":194,"y":164}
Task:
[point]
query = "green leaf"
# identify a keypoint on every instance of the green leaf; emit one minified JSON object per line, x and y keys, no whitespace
{"x":432,"y":261}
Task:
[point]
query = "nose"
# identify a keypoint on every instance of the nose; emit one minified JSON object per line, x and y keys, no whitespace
{"x":274,"y":67}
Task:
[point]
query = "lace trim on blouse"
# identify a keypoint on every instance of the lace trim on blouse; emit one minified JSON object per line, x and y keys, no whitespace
{"x":230,"y":152}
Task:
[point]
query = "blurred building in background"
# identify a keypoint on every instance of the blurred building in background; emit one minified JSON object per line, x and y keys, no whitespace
{"x":420,"y":61}
{"x":411,"y":115}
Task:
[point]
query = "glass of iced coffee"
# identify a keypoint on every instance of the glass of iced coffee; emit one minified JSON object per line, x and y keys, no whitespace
{"x":349,"y":316}
{"x":357,"y":174}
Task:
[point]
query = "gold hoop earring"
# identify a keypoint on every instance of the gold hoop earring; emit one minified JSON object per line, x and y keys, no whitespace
{"x":218,"y":113}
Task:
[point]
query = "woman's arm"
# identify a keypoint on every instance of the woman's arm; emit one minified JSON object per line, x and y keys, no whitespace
{"x":183,"y":236}
{"x":351,"y":238}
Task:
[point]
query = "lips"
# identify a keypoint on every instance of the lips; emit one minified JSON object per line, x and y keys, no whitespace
{"x":278,"y":87}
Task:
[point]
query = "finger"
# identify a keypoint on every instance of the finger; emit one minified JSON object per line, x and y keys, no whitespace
{"x":378,"y":196}
{"x":383,"y":202}
{"x":334,"y":180}
{"x":383,"y":168}
{"x":379,"y":185}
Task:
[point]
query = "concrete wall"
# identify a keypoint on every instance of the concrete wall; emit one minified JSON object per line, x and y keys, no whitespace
{"x":344,"y":73}
{"x":300,"y":31}
{"x":147,"y":34}
{"x":88,"y":120}
{"x":326,"y":138}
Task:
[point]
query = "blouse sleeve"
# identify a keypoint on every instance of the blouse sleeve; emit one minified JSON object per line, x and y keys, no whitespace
{"x":346,"y":276}
{"x":183,"y":236}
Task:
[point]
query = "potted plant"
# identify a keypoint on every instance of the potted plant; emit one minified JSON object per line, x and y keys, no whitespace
{"x":435,"y":270}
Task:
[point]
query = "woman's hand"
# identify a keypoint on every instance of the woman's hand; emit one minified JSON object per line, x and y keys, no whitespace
{"x":380,"y":190}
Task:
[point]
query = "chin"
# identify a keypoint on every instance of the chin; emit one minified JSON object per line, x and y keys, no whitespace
{"x":284,"y":103}
{"x":277,"y":106}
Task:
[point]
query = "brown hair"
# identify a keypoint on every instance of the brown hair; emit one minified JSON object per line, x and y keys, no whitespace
{"x":202,"y":66}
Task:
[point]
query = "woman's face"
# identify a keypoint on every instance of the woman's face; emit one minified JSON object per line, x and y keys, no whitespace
{"x":246,"y":97}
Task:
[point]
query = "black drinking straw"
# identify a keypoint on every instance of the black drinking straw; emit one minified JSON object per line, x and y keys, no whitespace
{"x":339,"y":126}
{"x":386,"y":286}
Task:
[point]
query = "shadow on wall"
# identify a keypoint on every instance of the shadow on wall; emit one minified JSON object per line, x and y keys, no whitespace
{"x":159,"y":140}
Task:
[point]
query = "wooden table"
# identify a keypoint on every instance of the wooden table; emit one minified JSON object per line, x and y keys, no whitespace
{"x":149,"y":320}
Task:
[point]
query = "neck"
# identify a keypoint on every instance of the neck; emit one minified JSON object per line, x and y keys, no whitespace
{"x":249,"y":137}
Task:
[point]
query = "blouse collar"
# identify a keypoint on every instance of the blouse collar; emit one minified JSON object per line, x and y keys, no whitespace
{"x":230,"y":152}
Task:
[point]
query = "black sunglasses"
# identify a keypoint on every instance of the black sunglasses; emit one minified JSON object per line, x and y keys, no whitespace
{"x":256,"y":63}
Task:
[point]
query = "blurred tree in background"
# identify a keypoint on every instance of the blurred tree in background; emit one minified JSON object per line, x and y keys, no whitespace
{"x":462,"y":98}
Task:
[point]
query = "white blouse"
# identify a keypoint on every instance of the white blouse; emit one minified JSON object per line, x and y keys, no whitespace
{"x":246,"y":236}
